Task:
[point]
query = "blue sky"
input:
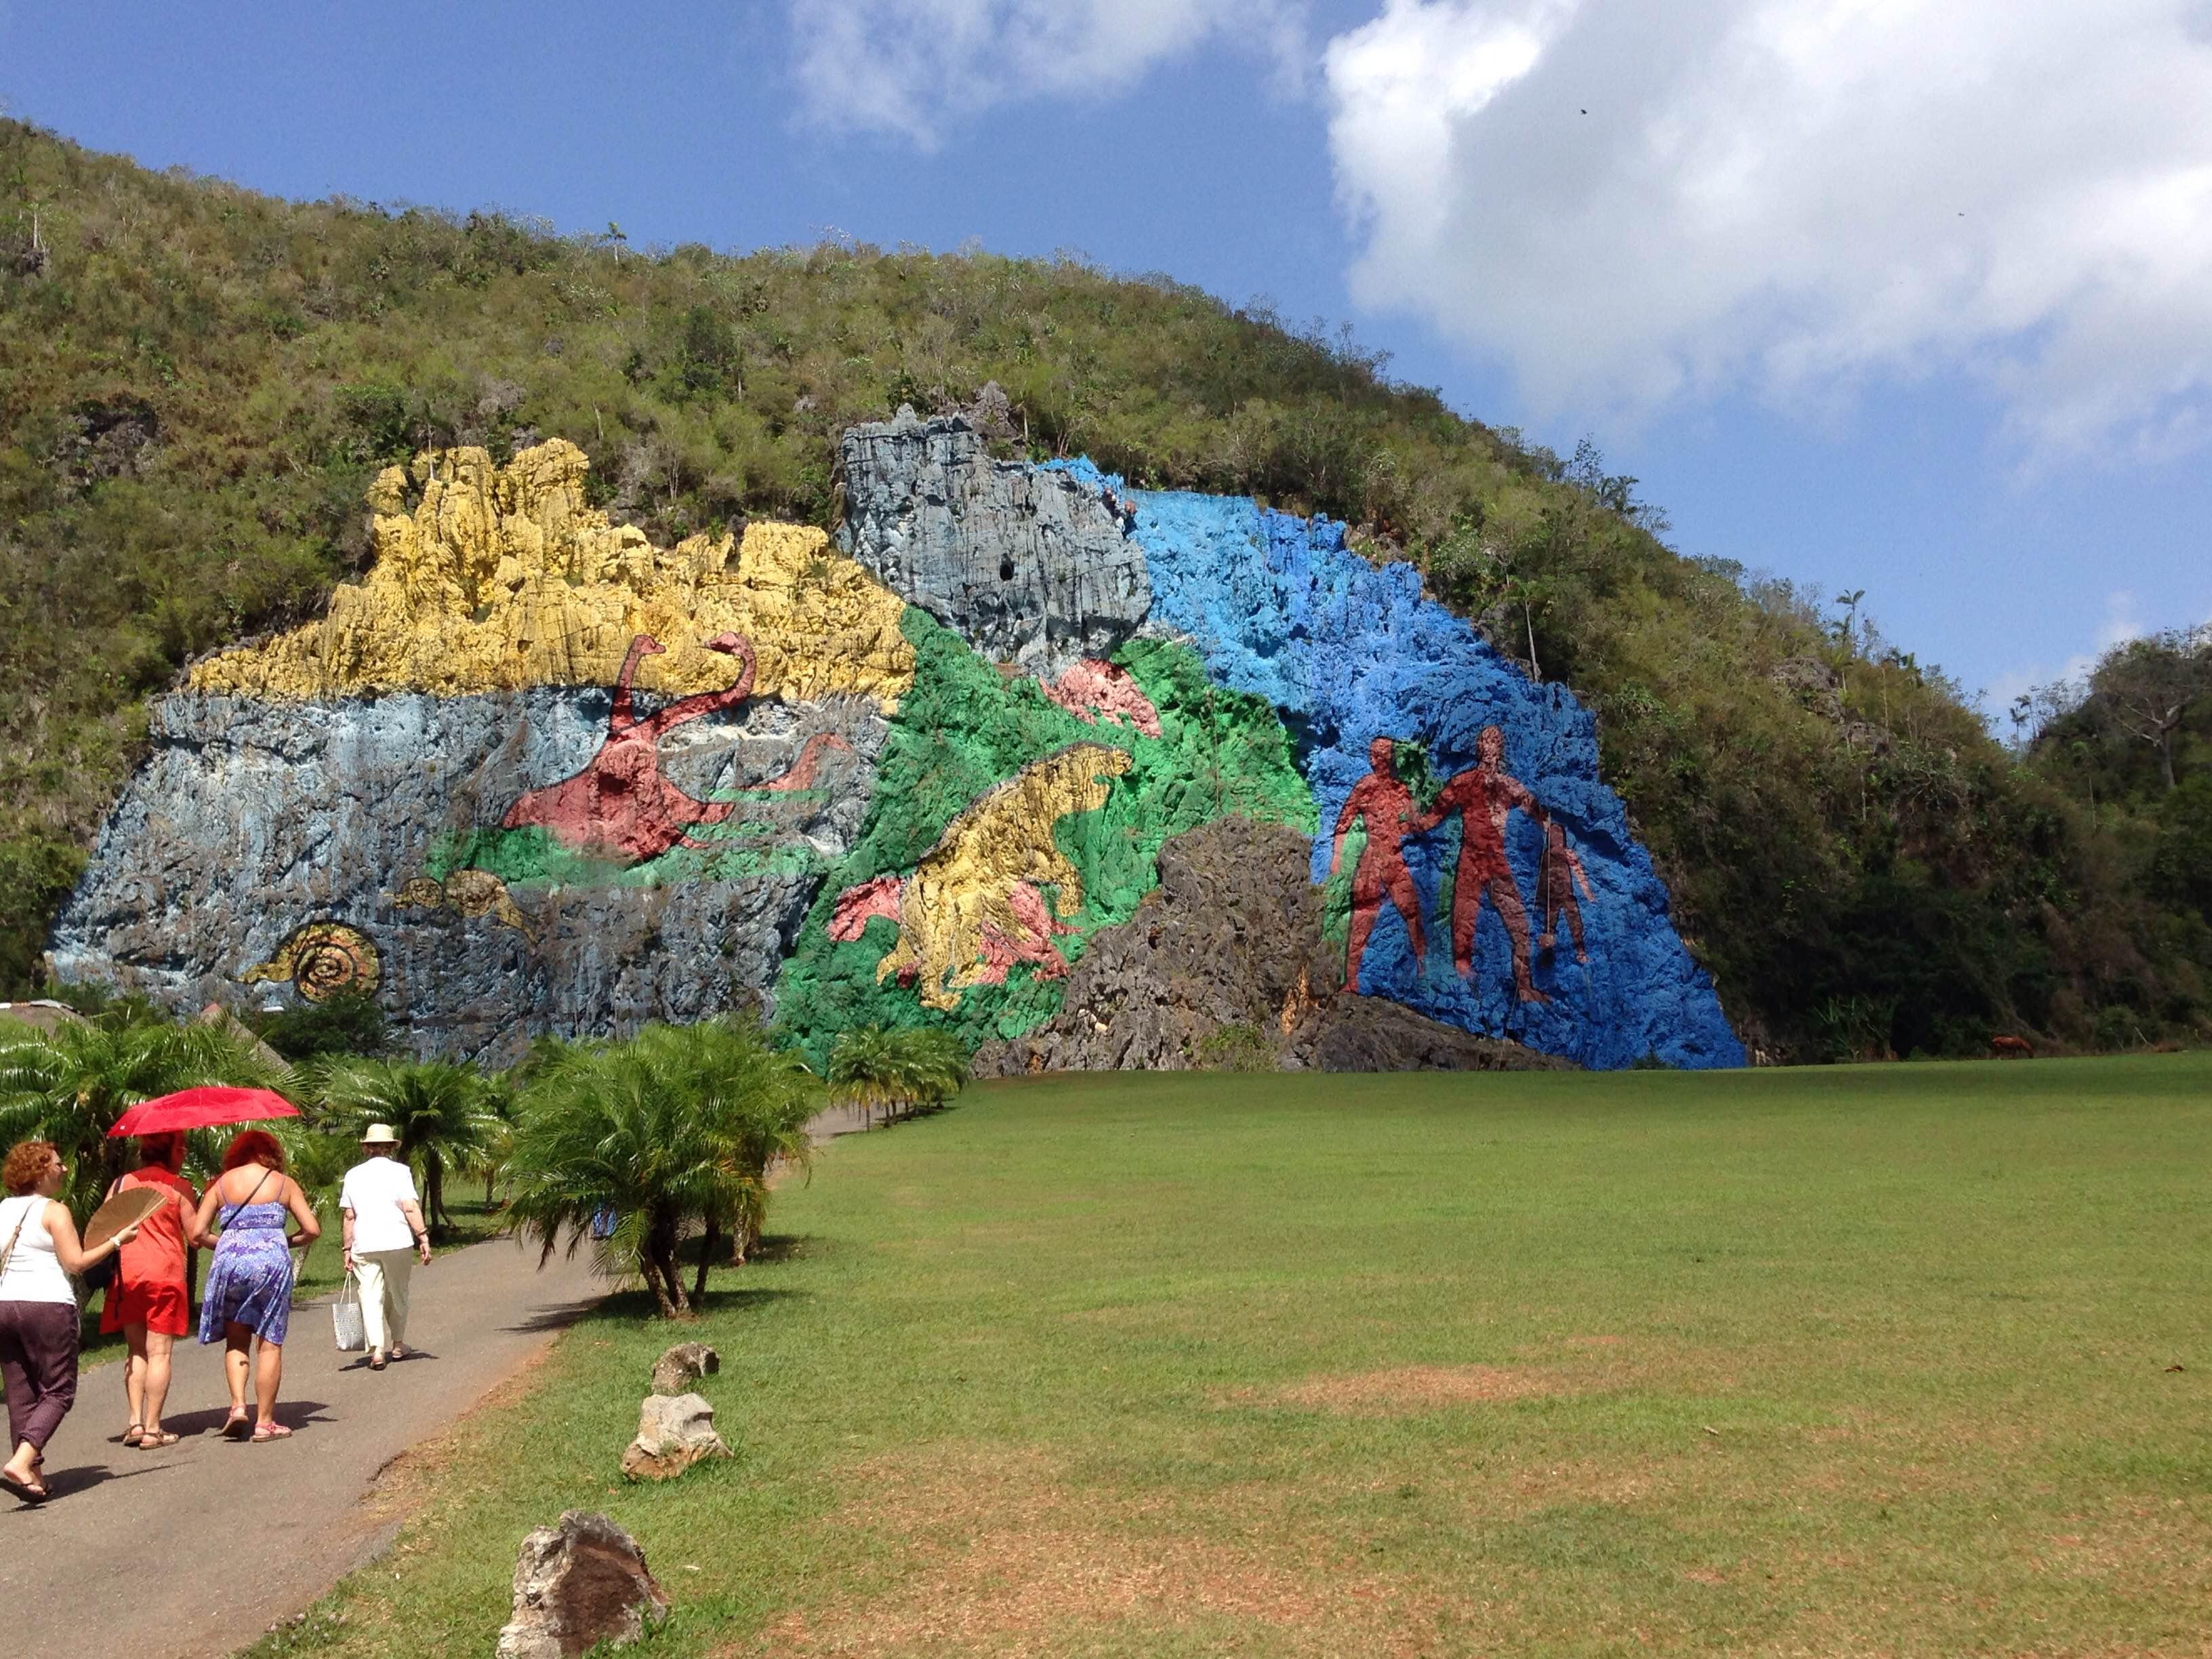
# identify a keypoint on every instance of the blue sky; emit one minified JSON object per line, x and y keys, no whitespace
{"x":1865,"y":299}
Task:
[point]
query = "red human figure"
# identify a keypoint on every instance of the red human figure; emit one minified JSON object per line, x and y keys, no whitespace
{"x":620,"y":808}
{"x":1483,"y":796}
{"x":1386,"y":804}
{"x":1562,"y":873}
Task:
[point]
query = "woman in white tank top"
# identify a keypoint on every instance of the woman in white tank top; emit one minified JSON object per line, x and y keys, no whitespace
{"x":39,"y":1251}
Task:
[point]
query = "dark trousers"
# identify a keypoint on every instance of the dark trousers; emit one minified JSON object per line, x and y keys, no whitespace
{"x":38,"y":1356}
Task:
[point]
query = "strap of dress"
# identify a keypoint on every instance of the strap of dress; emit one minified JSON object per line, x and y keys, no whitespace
{"x":233,"y":1214}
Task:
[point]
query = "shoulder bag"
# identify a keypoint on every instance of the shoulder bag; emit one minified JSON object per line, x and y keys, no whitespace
{"x":8,"y":1254}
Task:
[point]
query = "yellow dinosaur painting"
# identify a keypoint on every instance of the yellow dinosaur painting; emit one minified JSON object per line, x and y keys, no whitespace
{"x":973,"y":908}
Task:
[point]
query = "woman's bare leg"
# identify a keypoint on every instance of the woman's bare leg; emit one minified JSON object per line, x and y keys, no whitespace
{"x":237,"y":1361}
{"x":134,"y":1372}
{"x":23,"y":1466}
{"x":155,"y":1393}
{"x":268,"y":1372}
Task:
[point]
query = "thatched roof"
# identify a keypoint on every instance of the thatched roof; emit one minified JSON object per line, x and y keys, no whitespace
{"x":41,"y":1015}
{"x":223,"y":1019}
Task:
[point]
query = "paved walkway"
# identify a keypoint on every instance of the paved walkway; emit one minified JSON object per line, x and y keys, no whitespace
{"x":195,"y":1551}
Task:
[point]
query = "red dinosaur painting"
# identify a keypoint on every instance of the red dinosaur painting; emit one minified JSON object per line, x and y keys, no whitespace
{"x":620,"y":808}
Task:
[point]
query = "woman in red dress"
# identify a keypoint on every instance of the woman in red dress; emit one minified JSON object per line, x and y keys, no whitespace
{"x":147,"y":1301}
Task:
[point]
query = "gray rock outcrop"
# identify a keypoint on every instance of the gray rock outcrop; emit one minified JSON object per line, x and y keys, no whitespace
{"x":674,"y":1432}
{"x":252,"y":819}
{"x":578,"y":1584}
{"x":1032,"y":566}
{"x":1226,"y":954}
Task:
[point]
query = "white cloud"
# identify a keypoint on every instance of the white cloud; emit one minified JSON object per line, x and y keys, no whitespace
{"x":1792,"y":195}
{"x":914,"y":68}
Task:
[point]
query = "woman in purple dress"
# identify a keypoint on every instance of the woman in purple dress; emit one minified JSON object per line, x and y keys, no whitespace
{"x":249,"y":1288}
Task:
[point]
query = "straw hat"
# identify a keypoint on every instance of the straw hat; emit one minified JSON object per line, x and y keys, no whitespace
{"x":378,"y":1134}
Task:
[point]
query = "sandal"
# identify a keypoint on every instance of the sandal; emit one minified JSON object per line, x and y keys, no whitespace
{"x":134,"y":1436}
{"x":266,"y":1431}
{"x":154,"y":1439}
{"x":238,"y":1424}
{"x":377,"y":1362}
{"x":31,"y":1492}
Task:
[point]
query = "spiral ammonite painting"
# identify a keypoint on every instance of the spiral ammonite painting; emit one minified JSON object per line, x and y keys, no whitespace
{"x":321,"y":960}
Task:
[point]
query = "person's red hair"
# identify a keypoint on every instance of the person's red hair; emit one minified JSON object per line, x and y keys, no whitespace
{"x":255,"y":1147}
{"x":27,"y":1165}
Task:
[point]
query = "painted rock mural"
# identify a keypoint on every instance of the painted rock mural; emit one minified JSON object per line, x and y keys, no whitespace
{"x":534,"y":774}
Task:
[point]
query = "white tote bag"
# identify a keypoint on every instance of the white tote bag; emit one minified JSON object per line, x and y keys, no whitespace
{"x":346,"y":1320}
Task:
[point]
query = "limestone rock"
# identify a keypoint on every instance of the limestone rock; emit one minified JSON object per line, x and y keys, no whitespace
{"x":534,"y":775}
{"x":674,"y":1432}
{"x":677,"y":1368}
{"x":252,"y":820}
{"x":1818,"y":686}
{"x":500,"y":578}
{"x":1493,"y":765}
{"x":1031,"y":564}
{"x":1373,"y":1034}
{"x":1230,"y":942}
{"x":576,"y":1585}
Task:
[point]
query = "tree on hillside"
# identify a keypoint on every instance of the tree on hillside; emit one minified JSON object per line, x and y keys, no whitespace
{"x":2147,"y":687}
{"x":445,"y":1115}
{"x":632,"y":1145}
{"x":70,"y":1084}
{"x":896,"y":1073}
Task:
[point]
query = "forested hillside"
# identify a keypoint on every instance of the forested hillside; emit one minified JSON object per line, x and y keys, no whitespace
{"x":198,"y":384}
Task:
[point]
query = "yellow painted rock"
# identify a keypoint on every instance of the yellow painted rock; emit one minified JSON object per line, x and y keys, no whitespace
{"x":499,"y":577}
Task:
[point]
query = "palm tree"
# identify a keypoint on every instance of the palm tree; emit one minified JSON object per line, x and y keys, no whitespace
{"x":900,"y":1072}
{"x":443,"y":1113}
{"x":673,"y":1130}
{"x":760,"y":1099}
{"x":70,"y":1084}
{"x":862,"y":1070}
{"x":503,"y":1100}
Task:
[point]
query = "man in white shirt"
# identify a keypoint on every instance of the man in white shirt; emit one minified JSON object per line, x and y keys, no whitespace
{"x":384,"y":1234}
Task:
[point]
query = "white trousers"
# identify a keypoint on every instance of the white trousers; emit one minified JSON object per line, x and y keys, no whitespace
{"x":384,"y":1275}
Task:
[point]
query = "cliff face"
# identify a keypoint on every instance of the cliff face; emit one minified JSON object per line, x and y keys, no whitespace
{"x":1030,"y":565}
{"x":534,"y":775}
{"x":1228,"y":960}
{"x":373,"y":826}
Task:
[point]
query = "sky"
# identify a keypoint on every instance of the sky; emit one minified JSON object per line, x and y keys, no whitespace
{"x":1911,"y":296}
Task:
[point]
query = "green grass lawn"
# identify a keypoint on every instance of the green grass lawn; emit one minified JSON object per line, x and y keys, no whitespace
{"x":1852,"y":1360}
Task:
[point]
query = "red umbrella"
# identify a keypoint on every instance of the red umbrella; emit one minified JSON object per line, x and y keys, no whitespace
{"x":202,"y":1108}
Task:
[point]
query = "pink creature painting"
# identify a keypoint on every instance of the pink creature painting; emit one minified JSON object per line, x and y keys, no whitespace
{"x":1100,"y":691}
{"x":620,"y":806}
